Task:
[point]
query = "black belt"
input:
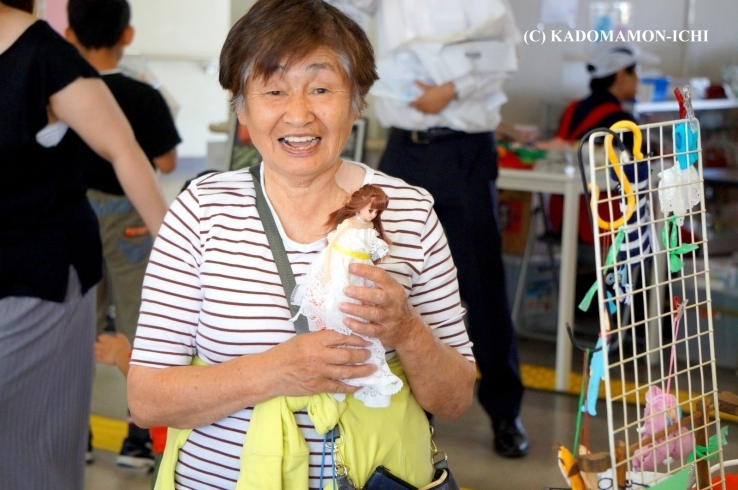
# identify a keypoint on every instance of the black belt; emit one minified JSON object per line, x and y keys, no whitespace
{"x":426,"y":137}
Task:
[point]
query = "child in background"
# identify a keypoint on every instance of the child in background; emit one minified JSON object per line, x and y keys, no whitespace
{"x":116,"y":351}
{"x":100,"y":31}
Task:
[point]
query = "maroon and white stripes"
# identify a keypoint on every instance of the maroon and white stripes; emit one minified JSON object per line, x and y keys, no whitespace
{"x":212,"y":289}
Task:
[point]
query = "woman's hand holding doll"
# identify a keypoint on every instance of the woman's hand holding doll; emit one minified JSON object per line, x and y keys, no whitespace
{"x":389,"y":316}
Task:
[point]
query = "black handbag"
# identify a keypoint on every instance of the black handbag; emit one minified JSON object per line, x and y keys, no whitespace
{"x":381,"y":478}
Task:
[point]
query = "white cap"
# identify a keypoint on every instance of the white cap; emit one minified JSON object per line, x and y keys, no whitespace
{"x":608,"y":58}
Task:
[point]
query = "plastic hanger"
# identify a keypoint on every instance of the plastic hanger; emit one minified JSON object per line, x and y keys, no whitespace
{"x":617,"y":167}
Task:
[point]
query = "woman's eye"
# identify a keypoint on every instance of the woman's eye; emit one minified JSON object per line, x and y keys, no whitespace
{"x":321,"y":90}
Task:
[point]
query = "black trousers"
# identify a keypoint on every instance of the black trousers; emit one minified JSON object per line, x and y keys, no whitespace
{"x":457,"y":171}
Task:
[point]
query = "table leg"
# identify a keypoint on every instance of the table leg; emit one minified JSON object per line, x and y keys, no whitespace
{"x":567,"y":284}
{"x":520,"y":285}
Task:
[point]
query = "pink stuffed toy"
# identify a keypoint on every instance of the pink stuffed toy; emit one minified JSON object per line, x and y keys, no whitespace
{"x":675,"y":446}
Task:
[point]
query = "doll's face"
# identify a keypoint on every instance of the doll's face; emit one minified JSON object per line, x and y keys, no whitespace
{"x":367,"y":213}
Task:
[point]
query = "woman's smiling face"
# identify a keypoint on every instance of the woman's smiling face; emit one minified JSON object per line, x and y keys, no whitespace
{"x":301,"y":116}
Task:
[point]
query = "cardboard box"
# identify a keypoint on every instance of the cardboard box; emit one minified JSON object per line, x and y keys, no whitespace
{"x":514,"y":220}
{"x":539,"y":304}
{"x":723,"y":272}
{"x":694,"y":326}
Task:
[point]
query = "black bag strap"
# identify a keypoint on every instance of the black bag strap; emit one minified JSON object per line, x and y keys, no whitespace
{"x":277,"y":246}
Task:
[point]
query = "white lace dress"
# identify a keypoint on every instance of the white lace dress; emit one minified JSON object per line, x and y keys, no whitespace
{"x":319,"y":302}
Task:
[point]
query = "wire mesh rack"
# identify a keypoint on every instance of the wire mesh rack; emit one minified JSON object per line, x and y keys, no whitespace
{"x":655,"y":308}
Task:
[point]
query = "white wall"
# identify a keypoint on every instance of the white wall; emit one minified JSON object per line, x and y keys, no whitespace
{"x":720,"y":17}
{"x":239,"y":8}
{"x":180,"y":27}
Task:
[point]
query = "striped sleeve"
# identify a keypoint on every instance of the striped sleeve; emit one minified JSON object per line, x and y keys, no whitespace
{"x":435,"y":293}
{"x":172,"y":295}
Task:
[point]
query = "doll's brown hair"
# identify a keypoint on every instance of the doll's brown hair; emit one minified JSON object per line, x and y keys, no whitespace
{"x":367,"y":194}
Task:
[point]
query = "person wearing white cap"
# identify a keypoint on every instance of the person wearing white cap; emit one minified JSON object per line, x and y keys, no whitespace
{"x":614,"y":80}
{"x":612,"y":67}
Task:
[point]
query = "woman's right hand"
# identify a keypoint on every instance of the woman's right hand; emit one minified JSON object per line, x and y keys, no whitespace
{"x":315,"y":362}
{"x":195,"y":396}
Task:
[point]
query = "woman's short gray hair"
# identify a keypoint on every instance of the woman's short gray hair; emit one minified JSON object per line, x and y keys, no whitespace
{"x":275,"y":30}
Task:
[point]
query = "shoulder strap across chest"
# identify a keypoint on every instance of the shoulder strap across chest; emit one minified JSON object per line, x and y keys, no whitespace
{"x":277,"y":247}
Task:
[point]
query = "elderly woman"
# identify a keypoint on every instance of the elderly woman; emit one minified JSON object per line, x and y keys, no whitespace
{"x":215,"y":348}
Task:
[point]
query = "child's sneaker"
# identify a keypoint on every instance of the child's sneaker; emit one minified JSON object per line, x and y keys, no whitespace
{"x":135,"y":455}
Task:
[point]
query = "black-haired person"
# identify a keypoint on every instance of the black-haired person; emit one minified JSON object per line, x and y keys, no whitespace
{"x":100,"y":30}
{"x":614,"y":81}
{"x":50,"y":254}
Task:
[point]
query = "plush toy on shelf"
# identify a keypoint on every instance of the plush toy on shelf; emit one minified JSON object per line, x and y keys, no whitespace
{"x":662,"y":411}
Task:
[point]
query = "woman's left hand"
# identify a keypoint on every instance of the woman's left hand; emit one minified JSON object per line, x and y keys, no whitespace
{"x":447,"y":389}
{"x":390,"y":317}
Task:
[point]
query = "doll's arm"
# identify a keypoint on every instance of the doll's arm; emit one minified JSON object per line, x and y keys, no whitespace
{"x":345,"y":225}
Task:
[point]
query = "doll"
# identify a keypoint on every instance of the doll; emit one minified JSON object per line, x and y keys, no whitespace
{"x":661,"y":411}
{"x":358,"y":237}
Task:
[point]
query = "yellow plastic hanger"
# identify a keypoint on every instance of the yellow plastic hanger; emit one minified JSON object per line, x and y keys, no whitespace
{"x":618,"y":169}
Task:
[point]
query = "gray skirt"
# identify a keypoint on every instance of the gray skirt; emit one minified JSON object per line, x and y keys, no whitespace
{"x":46,"y":372}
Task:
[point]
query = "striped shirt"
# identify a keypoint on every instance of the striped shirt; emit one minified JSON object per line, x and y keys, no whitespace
{"x":637,"y":242}
{"x":212,"y":290}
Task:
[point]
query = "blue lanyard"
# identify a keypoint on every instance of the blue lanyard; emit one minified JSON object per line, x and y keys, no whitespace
{"x":322,"y":460}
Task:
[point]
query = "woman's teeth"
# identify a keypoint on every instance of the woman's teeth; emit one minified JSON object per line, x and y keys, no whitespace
{"x":300,"y":142}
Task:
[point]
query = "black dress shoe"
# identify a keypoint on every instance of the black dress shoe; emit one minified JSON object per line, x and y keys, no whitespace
{"x":510,"y":438}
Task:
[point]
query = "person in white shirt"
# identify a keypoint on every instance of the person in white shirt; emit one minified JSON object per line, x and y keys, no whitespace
{"x":441,"y":66}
